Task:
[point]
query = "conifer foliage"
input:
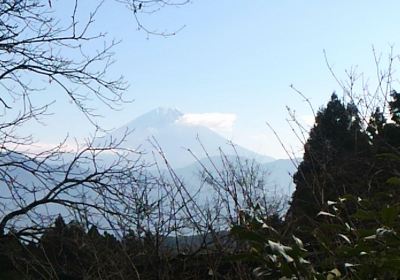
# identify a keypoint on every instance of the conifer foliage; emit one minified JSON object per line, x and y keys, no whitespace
{"x":333,"y":155}
{"x":343,"y":221}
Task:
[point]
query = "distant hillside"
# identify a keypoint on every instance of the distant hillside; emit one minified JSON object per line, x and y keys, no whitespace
{"x":278,"y":173}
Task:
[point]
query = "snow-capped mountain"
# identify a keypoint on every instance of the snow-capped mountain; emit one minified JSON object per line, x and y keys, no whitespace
{"x":174,"y":137}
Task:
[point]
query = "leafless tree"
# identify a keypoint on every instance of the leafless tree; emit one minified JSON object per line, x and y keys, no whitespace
{"x":40,"y":51}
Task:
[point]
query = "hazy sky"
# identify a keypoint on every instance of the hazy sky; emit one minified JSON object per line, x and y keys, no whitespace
{"x":236,"y":59}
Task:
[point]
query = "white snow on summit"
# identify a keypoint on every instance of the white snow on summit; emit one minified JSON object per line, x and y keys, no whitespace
{"x":175,"y":136}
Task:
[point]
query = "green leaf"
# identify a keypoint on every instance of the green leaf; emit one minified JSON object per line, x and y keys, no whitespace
{"x":364,"y":215}
{"x":389,"y":215}
{"x":393,"y":181}
{"x":389,"y":156}
{"x":333,"y":274}
{"x":246,"y":235}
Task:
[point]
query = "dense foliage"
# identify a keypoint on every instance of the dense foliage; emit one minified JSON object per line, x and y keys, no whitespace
{"x":343,"y":221}
{"x":68,"y":251}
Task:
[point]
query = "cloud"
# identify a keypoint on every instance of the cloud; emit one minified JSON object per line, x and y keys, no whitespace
{"x":219,"y":122}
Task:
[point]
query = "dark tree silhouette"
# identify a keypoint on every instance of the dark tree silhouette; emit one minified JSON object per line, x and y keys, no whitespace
{"x":394,"y":106}
{"x":333,"y":156}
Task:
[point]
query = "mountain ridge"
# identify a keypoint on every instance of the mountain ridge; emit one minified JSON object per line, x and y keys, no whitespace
{"x":175,"y":138}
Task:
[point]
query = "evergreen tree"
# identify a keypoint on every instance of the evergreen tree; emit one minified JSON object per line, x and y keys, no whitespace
{"x":385,"y":138}
{"x":394,"y":106}
{"x":392,"y":130}
{"x":333,"y":156}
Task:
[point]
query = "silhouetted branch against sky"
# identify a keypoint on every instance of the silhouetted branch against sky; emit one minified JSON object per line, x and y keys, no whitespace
{"x":44,"y":50}
{"x":41,"y":50}
{"x":149,"y":7}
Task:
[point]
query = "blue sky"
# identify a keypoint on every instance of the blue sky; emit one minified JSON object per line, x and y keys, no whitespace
{"x":236,"y":57}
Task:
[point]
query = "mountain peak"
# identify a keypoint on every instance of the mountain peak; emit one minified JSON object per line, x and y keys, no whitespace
{"x":157,"y":117}
{"x":165,"y":112}
{"x":175,"y":137}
